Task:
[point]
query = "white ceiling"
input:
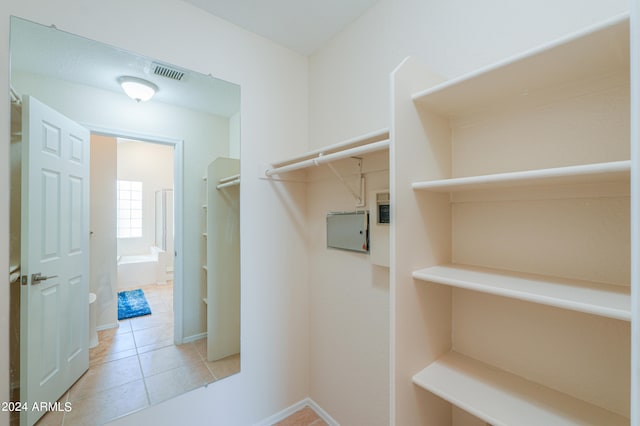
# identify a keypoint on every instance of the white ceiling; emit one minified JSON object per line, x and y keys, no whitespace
{"x":301,"y":25}
{"x":56,"y":54}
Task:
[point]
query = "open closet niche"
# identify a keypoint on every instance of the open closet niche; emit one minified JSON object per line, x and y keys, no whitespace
{"x":512,"y":251}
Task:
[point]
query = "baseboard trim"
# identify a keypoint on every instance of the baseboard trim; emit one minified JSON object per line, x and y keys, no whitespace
{"x":194,"y":337}
{"x":107,"y":326}
{"x":323,"y":414}
{"x":307,"y":402}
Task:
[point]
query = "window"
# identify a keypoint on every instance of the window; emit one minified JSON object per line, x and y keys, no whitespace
{"x":129,"y":209}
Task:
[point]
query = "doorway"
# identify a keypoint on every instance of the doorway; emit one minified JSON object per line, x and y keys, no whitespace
{"x":132,"y":184}
{"x":155,"y":163}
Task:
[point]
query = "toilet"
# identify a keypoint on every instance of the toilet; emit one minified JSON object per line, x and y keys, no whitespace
{"x":93,"y":333}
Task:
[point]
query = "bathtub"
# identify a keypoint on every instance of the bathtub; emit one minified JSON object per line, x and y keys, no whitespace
{"x":142,"y":269}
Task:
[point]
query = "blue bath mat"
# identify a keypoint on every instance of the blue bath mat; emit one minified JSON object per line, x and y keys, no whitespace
{"x":132,"y":303}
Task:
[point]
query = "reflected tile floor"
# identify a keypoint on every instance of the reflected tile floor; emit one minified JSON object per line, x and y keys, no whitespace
{"x":137,"y":365}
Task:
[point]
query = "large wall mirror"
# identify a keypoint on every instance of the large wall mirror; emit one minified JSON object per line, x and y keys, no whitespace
{"x":125,"y":253}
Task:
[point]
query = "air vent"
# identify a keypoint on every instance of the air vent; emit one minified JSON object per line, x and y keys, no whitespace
{"x":168,"y":72}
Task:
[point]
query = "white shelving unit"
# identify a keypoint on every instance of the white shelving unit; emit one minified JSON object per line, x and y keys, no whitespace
{"x":220,"y":183}
{"x":611,"y":301}
{"x":223,"y":258}
{"x":587,"y":173}
{"x":512,"y":269}
{"x":501,"y":398}
{"x":203,"y":242}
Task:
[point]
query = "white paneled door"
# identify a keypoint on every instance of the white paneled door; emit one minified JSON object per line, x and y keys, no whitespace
{"x":54,"y":345}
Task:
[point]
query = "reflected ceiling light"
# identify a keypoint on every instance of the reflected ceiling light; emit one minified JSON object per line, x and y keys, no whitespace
{"x":137,"y":88}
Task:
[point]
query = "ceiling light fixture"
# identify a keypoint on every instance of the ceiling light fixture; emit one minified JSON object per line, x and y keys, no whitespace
{"x":137,"y":88}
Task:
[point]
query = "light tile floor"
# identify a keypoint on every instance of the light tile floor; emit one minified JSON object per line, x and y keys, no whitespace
{"x":137,"y":365}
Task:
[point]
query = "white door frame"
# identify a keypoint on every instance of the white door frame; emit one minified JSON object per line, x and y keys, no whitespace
{"x":178,"y":187}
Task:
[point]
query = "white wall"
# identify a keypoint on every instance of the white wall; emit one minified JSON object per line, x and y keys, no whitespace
{"x":274,"y":292}
{"x":348,"y":96}
{"x":349,"y":309}
{"x":103,"y":247}
{"x":151,"y":164}
{"x":349,"y":76}
{"x":234,"y":136}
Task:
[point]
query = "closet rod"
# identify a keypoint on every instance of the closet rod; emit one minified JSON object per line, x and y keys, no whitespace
{"x":367,"y":138}
{"x":229,"y":178}
{"x":321,"y":159}
{"x":230,"y":183}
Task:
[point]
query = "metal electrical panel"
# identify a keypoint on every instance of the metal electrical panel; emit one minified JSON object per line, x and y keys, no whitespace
{"x":380,"y":221}
{"x":382,"y":207}
{"x":348,"y":231}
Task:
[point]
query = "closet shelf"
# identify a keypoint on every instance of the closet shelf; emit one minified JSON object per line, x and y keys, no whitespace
{"x":587,"y":173}
{"x":580,"y":56}
{"x":370,"y":142}
{"x":606,"y":300}
{"x":502,"y":398}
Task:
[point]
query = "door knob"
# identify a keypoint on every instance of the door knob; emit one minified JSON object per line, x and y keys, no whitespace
{"x":36,"y":278}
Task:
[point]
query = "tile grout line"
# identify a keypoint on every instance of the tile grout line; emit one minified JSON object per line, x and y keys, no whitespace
{"x":137,"y":348}
{"x":205,"y":362}
{"x":102,"y":361}
{"x":144,"y":379}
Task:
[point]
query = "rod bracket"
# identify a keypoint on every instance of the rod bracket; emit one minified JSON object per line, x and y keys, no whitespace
{"x":360,"y":195}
